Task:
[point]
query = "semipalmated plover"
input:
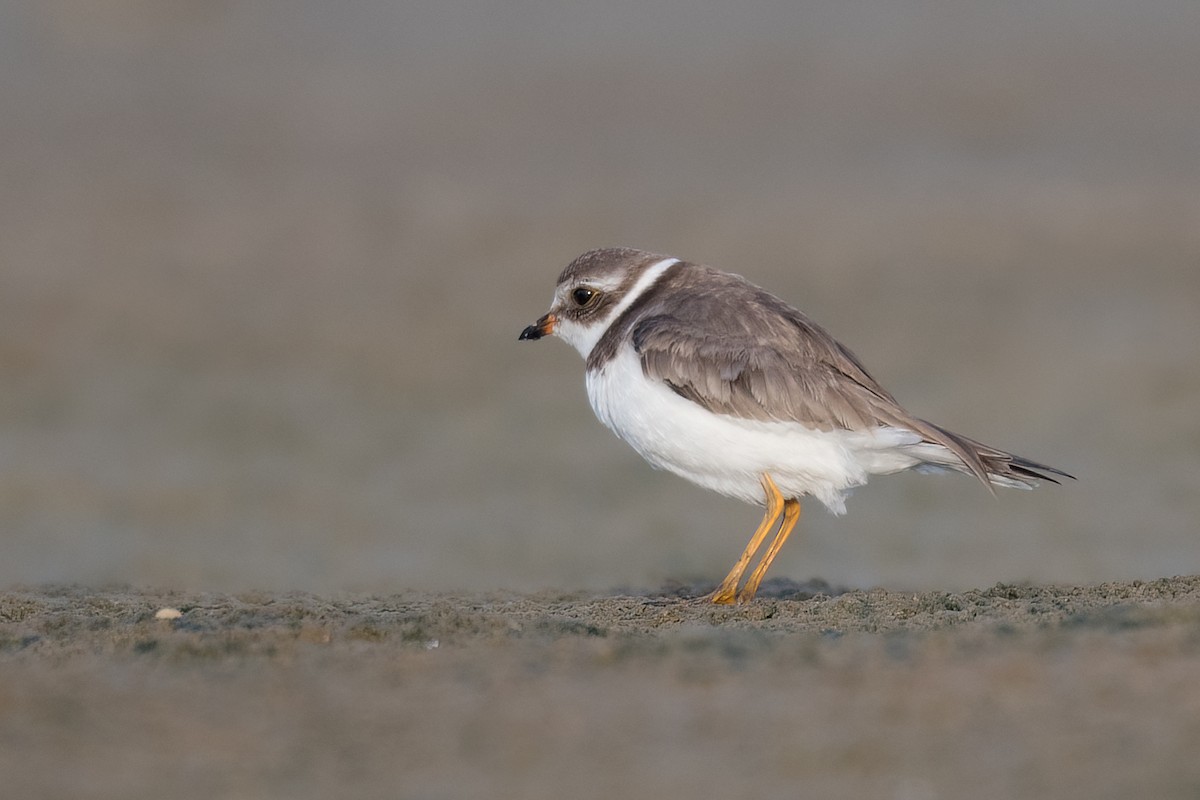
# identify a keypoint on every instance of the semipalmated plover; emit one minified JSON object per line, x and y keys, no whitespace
{"x":710,"y":377}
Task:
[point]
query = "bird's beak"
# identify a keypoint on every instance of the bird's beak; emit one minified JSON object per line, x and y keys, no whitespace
{"x":543,"y":327}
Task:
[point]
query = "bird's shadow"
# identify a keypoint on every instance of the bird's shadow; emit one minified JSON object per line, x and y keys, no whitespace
{"x":771,"y":589}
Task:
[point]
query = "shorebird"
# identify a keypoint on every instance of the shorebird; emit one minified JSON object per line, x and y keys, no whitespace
{"x":714,"y":379}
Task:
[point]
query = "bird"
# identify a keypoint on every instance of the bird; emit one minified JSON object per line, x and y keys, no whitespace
{"x":710,"y":377}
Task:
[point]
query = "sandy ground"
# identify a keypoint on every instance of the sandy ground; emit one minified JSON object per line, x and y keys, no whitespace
{"x":1012,"y":691}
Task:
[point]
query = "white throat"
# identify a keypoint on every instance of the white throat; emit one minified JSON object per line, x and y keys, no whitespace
{"x":584,"y":337}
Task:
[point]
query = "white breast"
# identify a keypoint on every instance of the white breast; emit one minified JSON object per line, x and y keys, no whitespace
{"x":729,"y":454}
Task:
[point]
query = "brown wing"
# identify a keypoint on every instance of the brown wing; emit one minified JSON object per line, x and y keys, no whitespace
{"x":735,"y":349}
{"x":745,"y":376}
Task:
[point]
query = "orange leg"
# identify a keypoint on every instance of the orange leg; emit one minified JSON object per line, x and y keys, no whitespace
{"x":727,"y":592}
{"x":791,"y":513}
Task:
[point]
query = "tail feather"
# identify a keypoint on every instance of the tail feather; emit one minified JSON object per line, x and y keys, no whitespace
{"x":994,"y":467}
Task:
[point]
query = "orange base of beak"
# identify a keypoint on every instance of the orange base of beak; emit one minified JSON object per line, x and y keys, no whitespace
{"x":543,"y":327}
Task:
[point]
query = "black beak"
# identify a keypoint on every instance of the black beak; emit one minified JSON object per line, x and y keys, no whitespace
{"x":543,"y":327}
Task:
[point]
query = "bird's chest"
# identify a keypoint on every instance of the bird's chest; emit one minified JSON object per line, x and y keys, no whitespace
{"x":634,"y":407}
{"x":667,"y":430}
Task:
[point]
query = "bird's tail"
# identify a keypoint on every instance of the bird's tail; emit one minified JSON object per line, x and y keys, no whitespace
{"x":993,"y":467}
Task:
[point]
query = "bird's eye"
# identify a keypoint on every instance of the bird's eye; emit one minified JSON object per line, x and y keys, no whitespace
{"x":583,"y":295}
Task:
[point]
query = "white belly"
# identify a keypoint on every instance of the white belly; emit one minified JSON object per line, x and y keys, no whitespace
{"x":728,"y":454}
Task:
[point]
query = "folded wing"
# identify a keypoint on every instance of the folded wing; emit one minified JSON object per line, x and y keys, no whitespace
{"x":778,"y":365}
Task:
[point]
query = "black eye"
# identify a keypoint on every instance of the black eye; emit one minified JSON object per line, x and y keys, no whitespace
{"x":583,"y":295}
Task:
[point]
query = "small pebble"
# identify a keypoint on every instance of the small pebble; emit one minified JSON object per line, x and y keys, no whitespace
{"x":168,"y":613}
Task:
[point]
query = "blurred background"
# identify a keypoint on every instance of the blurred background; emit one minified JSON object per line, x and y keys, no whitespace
{"x":263,"y":267}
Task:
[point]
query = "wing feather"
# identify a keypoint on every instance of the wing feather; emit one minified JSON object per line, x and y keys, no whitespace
{"x":736,"y":349}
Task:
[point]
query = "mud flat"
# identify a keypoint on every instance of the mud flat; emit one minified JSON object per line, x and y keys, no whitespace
{"x":1012,"y":691}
